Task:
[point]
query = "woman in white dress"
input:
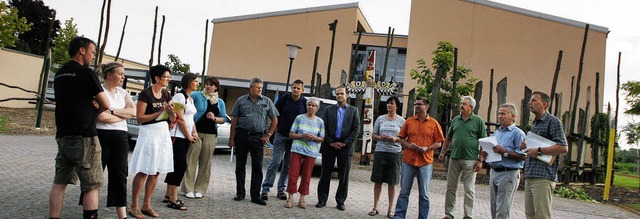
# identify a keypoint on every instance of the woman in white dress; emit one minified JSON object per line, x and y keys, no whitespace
{"x":112,"y":133}
{"x":153,"y":153}
{"x":184,"y":133}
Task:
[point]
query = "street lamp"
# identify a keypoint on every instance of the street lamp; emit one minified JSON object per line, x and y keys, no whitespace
{"x":293,"y":51}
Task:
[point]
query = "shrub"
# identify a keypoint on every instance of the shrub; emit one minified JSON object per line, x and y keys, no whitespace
{"x":566,"y":192}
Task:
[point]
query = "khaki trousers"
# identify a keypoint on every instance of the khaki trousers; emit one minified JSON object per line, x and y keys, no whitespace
{"x":460,"y":170}
{"x":199,"y":157}
{"x":537,"y":197}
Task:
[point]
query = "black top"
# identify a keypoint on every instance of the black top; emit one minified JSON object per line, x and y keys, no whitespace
{"x":206,"y":125}
{"x":153,"y":104}
{"x":289,"y":109}
{"x":75,"y":87}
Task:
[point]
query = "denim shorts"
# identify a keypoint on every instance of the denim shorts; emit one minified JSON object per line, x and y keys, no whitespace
{"x":79,"y":158}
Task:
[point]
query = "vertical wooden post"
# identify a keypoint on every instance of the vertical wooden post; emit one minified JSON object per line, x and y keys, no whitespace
{"x":106,"y":34}
{"x":451,"y":112}
{"x":160,"y":41}
{"x":104,"y":5}
{"x":153,"y":43}
{"x":122,"y":37}
{"x":490,"y":96}
{"x":204,"y":53}
{"x":44,"y":75}
{"x":575,"y":101}
{"x":313,"y":72}
{"x":354,"y":57}
{"x":332,"y":27}
{"x":555,"y":80}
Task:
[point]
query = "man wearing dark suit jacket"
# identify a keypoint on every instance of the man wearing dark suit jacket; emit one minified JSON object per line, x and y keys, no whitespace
{"x":342,"y":125}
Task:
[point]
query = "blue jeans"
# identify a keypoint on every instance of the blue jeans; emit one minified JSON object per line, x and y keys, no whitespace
{"x":281,"y":145}
{"x":423,"y":174}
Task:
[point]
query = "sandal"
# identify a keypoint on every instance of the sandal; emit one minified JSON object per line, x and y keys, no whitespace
{"x":177,"y":205}
{"x":302,"y":205}
{"x":150,"y":212}
{"x":374,"y":212}
{"x":166,"y":199}
{"x":390,"y":214}
{"x":289,"y":204}
{"x":135,"y":213}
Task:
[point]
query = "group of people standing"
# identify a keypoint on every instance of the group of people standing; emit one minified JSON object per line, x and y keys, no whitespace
{"x":300,"y":137}
{"x":414,"y":140}
{"x":178,"y":134}
{"x":92,"y":135}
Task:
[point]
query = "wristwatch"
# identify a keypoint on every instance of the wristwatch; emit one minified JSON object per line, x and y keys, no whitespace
{"x":539,"y":151}
{"x":111,"y":109}
{"x":505,"y":154}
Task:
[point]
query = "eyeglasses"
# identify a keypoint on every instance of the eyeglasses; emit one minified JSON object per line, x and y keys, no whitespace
{"x":166,"y":77}
{"x":419,"y":104}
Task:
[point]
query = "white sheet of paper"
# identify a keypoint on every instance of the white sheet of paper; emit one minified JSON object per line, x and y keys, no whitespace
{"x":534,"y":140}
{"x":231,"y":155}
{"x":487,"y":145}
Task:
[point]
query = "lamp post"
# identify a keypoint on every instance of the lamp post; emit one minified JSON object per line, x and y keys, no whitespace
{"x":293,"y":51}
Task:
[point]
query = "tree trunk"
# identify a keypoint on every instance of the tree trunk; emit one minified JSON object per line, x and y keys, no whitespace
{"x":435,"y":93}
{"x":106,"y":32}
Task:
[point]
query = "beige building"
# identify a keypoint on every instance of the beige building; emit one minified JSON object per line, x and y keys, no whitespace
{"x":519,"y":44}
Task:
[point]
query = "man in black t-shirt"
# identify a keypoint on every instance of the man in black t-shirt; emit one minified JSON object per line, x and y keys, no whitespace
{"x":79,"y":100}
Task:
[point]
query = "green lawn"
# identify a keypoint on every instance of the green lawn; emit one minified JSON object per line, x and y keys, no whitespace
{"x":628,"y":181}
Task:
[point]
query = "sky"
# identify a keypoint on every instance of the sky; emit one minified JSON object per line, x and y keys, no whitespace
{"x":185,"y":27}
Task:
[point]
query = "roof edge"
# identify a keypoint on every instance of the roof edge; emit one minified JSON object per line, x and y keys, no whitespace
{"x":285,"y":12}
{"x":539,"y":15}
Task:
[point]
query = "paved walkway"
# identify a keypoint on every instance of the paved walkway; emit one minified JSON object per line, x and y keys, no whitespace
{"x":26,"y":173}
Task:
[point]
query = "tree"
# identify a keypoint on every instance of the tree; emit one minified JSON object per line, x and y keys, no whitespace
{"x":11,"y":25}
{"x":633,"y":97}
{"x":443,"y":59}
{"x":36,"y":12}
{"x":176,"y":65}
{"x":60,"y":53}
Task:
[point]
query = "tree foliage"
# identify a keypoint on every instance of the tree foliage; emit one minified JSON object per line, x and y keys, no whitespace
{"x":11,"y":25}
{"x":36,"y":12}
{"x":60,"y":53}
{"x":176,"y":65}
{"x":632,"y":97}
{"x":443,"y":59}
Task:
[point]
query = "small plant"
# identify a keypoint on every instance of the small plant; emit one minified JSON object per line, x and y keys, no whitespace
{"x":3,"y":123}
{"x":569,"y":193}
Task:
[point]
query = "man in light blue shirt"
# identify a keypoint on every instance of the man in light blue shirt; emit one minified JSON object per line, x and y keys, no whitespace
{"x":505,"y":174}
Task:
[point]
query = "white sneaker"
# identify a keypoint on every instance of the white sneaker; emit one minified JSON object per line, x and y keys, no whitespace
{"x":198,"y":195}
{"x":190,"y":195}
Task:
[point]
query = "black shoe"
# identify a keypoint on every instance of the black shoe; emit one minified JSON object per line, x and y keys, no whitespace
{"x":340,"y":207}
{"x":282,"y":196}
{"x":321,"y":204}
{"x":238,"y":198}
{"x":264,"y":196}
{"x":259,"y":201}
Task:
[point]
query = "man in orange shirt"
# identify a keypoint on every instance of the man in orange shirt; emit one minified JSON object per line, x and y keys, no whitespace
{"x":419,"y":137}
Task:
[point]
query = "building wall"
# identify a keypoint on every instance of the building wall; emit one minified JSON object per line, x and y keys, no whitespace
{"x":256,"y":47}
{"x":22,"y":70}
{"x":522,"y":48}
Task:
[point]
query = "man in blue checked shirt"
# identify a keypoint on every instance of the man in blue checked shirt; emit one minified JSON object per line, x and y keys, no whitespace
{"x":505,"y":174}
{"x":540,"y":177}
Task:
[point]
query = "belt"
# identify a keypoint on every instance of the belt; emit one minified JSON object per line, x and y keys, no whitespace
{"x":252,"y":133}
{"x":501,"y":169}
